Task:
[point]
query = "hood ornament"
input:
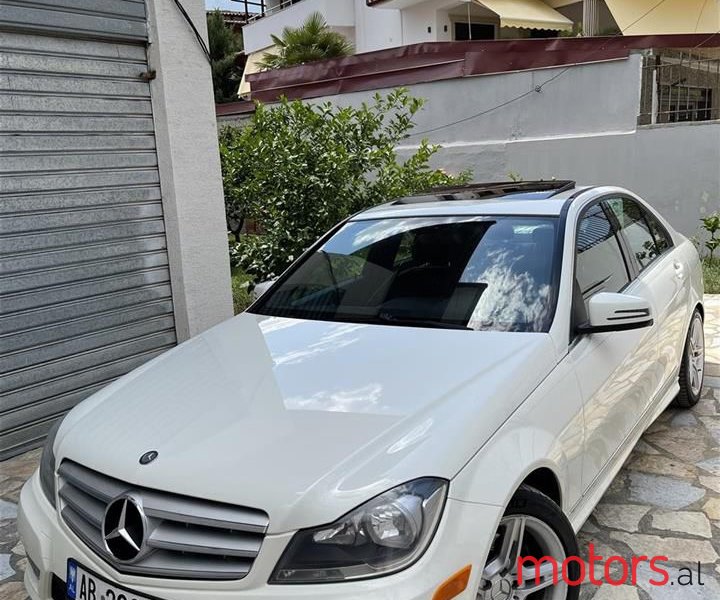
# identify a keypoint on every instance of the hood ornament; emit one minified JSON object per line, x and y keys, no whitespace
{"x":148,"y":457}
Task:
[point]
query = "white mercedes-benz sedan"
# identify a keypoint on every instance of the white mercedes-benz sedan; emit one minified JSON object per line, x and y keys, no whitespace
{"x":440,"y":386}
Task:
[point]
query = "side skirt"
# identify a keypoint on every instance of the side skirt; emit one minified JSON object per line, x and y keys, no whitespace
{"x":582,"y":510}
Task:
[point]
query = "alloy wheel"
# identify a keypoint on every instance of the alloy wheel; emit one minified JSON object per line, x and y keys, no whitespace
{"x":696,"y":356}
{"x":521,"y":536}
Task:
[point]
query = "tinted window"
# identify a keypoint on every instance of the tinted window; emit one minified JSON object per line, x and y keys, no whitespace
{"x":663,"y":241}
{"x":600,"y":266}
{"x":636,"y":229}
{"x":484,"y":273}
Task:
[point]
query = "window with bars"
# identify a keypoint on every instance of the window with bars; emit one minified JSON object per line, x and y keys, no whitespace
{"x":680,"y":86}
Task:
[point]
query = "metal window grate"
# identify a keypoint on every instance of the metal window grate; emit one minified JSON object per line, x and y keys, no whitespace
{"x":186,"y":538}
{"x":680,"y":86}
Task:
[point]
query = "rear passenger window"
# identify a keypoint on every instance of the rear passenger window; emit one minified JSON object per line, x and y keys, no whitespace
{"x":663,"y":241}
{"x":635,"y":225}
{"x":600,"y":266}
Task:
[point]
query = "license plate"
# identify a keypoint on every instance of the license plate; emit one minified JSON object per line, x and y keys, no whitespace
{"x":83,"y":584}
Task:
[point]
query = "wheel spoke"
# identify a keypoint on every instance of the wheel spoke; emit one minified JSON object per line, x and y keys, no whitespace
{"x":693,"y":379}
{"x":532,"y":583}
{"x":512,"y":543}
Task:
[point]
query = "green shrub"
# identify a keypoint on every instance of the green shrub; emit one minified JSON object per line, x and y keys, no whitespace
{"x":298,"y":169}
{"x":707,"y":242}
{"x":711,"y":271}
{"x":241,"y":285}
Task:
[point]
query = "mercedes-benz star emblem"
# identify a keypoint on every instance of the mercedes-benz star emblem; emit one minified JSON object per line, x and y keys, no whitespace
{"x":502,"y":589}
{"x":148,"y":457}
{"x":124,"y":528}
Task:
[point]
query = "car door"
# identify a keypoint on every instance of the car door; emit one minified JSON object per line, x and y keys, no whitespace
{"x":616,"y":371}
{"x":661,"y":278}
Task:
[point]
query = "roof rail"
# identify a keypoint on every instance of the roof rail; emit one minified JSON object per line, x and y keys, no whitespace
{"x":478,"y":191}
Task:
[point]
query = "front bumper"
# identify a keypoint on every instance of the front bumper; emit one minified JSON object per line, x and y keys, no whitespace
{"x":463,"y":538}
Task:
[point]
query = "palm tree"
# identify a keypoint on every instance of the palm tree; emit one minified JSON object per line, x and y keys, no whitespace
{"x":313,"y":40}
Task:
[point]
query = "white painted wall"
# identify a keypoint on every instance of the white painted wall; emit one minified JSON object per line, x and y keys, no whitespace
{"x":582,"y":126}
{"x":189,"y":162}
{"x":376,"y":29}
{"x":427,"y":22}
{"x":337,"y":13}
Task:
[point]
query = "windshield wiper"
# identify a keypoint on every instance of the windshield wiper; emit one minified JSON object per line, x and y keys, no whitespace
{"x":410,"y":321}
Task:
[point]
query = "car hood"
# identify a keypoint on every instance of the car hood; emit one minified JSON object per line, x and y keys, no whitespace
{"x":306,"y":419}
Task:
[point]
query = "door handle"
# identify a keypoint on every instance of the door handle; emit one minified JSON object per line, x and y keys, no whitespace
{"x":679,"y":269}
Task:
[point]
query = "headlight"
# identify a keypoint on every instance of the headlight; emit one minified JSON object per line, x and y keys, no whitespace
{"x":383,"y":536}
{"x":47,"y":465}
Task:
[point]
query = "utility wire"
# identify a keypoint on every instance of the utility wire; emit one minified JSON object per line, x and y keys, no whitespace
{"x":702,"y":10}
{"x":200,"y":39}
{"x":555,"y":77}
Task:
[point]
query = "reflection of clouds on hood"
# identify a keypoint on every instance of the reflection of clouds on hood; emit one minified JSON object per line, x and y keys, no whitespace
{"x":511,"y":298}
{"x":364,"y":399}
{"x":338,"y":336}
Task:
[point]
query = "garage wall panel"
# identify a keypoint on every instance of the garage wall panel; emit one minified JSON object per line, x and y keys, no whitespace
{"x":85,"y":290}
{"x":114,"y":19}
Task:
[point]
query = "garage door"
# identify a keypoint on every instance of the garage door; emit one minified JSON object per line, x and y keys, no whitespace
{"x":84,"y":283}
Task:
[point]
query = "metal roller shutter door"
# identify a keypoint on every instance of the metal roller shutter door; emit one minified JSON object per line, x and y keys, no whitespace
{"x":84,"y":282}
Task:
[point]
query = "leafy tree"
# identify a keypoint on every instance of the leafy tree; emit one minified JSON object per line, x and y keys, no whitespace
{"x":224,"y":44}
{"x":313,"y":40}
{"x":299,"y":168}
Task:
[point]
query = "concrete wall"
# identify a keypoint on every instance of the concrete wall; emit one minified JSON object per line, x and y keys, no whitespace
{"x":189,"y":163}
{"x":582,"y":126}
{"x":674,"y":167}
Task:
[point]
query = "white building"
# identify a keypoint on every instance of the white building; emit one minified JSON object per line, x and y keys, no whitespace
{"x":380,"y":24}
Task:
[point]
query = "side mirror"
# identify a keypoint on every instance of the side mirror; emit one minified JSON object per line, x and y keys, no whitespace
{"x":616,"y":312}
{"x":262,"y":287}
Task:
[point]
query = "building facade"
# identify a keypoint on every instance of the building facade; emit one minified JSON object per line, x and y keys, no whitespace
{"x":379,"y":24}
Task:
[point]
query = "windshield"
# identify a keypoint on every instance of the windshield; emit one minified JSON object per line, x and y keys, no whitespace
{"x":481,"y":273}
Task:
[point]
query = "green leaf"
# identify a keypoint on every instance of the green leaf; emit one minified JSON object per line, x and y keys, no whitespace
{"x":297,"y":169}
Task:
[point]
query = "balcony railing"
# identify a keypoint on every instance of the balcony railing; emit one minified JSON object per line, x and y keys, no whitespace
{"x":264,"y":8}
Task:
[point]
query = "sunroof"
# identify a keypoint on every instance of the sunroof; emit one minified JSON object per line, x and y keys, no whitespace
{"x":519,"y":190}
{"x":531,"y":195}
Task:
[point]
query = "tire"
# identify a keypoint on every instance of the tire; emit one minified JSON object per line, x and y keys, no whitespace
{"x":537,"y":511}
{"x":690,"y":380}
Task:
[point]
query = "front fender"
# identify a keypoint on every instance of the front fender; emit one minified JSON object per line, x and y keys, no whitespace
{"x":546,"y":431}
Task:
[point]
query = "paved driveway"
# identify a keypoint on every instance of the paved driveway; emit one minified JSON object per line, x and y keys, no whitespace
{"x":666,"y":500}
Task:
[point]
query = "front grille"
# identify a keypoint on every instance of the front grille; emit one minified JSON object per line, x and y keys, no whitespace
{"x":186,"y":538}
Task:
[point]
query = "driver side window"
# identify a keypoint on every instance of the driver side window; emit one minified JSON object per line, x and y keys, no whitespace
{"x":599,"y":262}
